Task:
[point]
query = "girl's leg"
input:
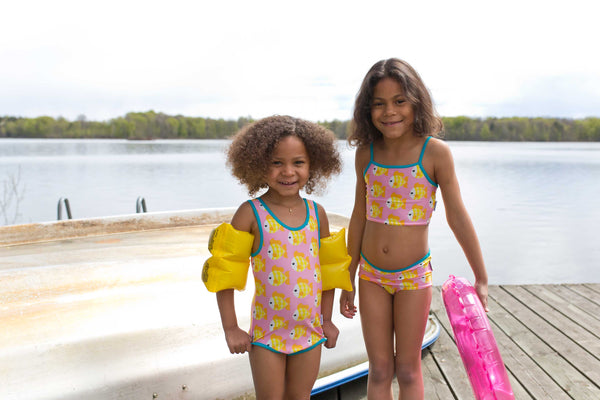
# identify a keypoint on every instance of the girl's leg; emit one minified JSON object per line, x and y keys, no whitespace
{"x":301,"y":373}
{"x":411,"y":309}
{"x":375,"y":305}
{"x":268,"y":373}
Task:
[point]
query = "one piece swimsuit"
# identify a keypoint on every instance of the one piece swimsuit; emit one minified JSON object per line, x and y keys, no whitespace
{"x":286,"y":309}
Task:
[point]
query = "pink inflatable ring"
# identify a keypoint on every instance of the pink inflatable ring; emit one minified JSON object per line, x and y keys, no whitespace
{"x":475,"y":341}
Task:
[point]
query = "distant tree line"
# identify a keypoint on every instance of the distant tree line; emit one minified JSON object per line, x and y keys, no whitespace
{"x":519,"y":129}
{"x":153,"y":125}
{"x":138,"y":125}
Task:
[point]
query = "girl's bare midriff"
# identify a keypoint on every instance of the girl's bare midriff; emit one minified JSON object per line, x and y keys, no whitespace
{"x":394,"y":247}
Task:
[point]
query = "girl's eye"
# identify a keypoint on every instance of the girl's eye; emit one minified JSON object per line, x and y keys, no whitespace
{"x":377,"y":104}
{"x":300,"y":162}
{"x":400,"y":101}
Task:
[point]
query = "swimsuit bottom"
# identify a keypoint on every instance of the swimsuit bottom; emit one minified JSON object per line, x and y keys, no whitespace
{"x":415,"y":276}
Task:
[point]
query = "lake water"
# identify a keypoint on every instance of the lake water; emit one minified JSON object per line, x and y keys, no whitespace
{"x":534,"y":205}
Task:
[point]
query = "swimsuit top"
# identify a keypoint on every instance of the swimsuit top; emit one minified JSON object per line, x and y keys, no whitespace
{"x":286,"y":310}
{"x":399,"y":194}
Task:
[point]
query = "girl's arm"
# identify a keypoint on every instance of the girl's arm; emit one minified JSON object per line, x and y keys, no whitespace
{"x":330,"y":331}
{"x":458,"y":218}
{"x":237,"y":339}
{"x":355,"y":230}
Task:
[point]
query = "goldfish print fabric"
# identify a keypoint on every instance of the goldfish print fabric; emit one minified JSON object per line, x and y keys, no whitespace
{"x":413,"y":277}
{"x":399,"y":195}
{"x":286,"y":310}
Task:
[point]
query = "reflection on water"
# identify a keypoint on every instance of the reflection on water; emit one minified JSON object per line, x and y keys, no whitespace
{"x":103,"y":147}
{"x":529,"y":202}
{"x":533,"y":204}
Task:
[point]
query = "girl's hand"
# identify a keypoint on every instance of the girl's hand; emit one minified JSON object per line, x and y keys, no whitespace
{"x":347,"y":307}
{"x":238,"y":340}
{"x":331,"y":332}
{"x":482,"y":292}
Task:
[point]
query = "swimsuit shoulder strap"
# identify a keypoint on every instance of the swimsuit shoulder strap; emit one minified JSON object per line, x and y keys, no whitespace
{"x":423,"y":150}
{"x":371,"y":161}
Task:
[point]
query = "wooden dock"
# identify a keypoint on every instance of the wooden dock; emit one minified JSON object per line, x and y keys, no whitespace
{"x":548,"y":335}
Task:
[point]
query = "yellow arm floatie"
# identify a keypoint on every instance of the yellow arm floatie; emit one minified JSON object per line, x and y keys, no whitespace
{"x":227,"y":268}
{"x":335,"y":260}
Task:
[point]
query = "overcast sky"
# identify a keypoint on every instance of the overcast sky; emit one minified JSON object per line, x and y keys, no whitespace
{"x":227,"y":59}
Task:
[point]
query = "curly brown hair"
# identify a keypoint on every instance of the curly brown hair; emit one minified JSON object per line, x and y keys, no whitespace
{"x":249,"y":154}
{"x":427,"y":121}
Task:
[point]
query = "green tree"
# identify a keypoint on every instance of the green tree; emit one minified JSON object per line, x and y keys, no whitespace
{"x":485,"y":133}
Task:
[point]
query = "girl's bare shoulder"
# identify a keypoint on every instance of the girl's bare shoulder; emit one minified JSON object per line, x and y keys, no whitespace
{"x":362,"y":156}
{"x":438,"y":149}
{"x":243,"y":219}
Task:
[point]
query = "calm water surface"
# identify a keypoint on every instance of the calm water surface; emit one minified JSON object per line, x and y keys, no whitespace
{"x":534,"y":205}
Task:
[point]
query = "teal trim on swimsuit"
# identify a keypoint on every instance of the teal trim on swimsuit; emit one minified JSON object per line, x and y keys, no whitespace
{"x":396,"y":270}
{"x":264,"y":346}
{"x":371,"y":161}
{"x":318,"y":222}
{"x":421,"y":164}
{"x":423,"y":149}
{"x":260,"y":243}
{"x":278,"y":220}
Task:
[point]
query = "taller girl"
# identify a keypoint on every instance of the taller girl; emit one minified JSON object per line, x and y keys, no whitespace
{"x":400,"y":164}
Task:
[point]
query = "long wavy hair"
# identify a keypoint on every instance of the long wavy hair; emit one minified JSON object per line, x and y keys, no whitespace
{"x":427,"y":122}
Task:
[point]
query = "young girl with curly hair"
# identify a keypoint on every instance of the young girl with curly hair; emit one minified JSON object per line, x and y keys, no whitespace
{"x":400,"y":163}
{"x":292,"y":307}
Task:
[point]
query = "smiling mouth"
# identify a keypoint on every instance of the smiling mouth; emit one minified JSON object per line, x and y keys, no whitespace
{"x":287,"y":183}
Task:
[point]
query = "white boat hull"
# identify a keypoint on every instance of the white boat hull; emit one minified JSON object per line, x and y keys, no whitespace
{"x":124,"y":314}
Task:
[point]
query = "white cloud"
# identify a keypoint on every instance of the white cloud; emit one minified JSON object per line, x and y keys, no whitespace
{"x":235,"y":58}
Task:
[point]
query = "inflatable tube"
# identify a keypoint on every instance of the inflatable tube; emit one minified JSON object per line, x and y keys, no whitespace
{"x":475,"y":341}
{"x":335,"y":260}
{"x":227,"y":268}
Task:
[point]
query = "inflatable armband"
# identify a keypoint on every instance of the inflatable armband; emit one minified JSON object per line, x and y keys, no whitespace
{"x":227,"y":268}
{"x":475,"y":341}
{"x":335,"y":260}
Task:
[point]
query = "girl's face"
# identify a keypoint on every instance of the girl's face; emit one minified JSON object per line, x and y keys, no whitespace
{"x":290,"y":168}
{"x":391,"y":112}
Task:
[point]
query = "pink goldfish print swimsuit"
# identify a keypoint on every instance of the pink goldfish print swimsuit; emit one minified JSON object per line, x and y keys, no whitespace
{"x":399,"y":195}
{"x":415,"y":276}
{"x":286,"y":310}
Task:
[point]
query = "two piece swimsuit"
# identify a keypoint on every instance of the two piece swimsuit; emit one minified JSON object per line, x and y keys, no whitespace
{"x":400,"y":195}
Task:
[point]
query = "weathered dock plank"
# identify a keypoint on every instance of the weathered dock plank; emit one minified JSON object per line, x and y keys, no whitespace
{"x":509,"y":332}
{"x":545,"y":345}
{"x":436,"y":386}
{"x":548,"y":336}
{"x":586,"y":300}
{"x":588,"y":290}
{"x":578,"y":346}
{"x":573,"y":306}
